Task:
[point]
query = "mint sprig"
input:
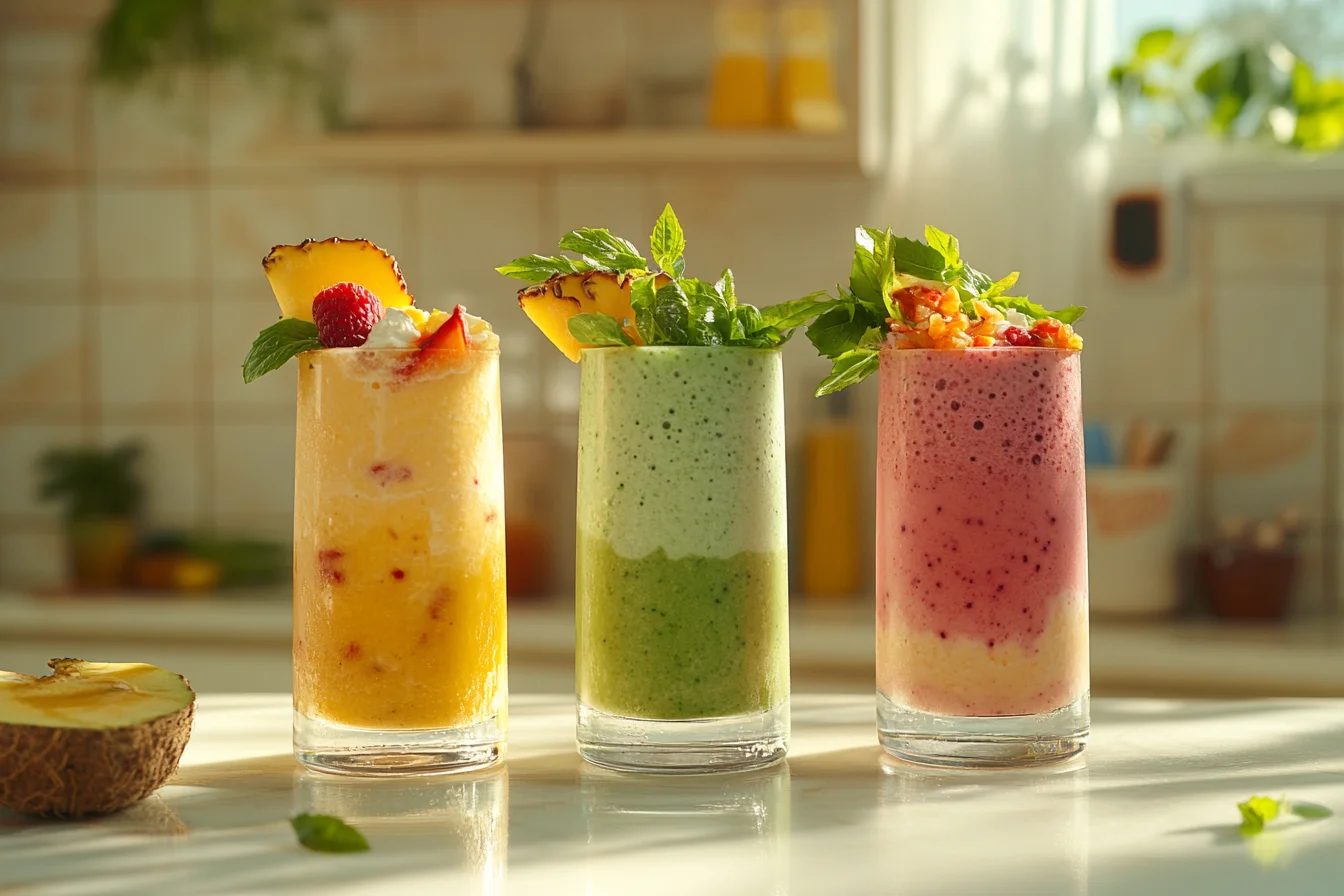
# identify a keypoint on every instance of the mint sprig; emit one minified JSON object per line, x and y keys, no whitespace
{"x":1258,"y":811}
{"x":669,"y":307}
{"x":276,"y":344}
{"x":327,"y":833}
{"x":851,"y":329}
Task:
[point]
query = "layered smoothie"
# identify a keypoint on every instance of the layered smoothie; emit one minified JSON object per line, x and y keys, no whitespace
{"x":399,"y":608}
{"x":682,"y":556}
{"x":981,"y":551}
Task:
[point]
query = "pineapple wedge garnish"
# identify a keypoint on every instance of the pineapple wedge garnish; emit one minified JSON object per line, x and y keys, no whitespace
{"x":298,"y":273}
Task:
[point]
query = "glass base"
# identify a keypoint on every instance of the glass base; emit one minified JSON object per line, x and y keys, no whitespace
{"x":982,"y":741}
{"x":381,"y":752}
{"x":687,"y":747}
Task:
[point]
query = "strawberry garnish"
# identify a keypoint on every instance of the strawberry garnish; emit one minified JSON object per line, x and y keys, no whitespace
{"x":344,"y":314}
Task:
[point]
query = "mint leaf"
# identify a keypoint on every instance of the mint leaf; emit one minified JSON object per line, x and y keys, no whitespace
{"x":999,"y":287}
{"x":1032,"y":310}
{"x":727,"y":288}
{"x":974,"y":280}
{"x":278,"y":343}
{"x":668,"y":242}
{"x":864,"y":281}
{"x":597,"y":330}
{"x":536,"y":268}
{"x":1310,"y":810}
{"x":711,"y":317}
{"x":1256,"y":812}
{"x":916,"y":259}
{"x":604,"y":249}
{"x":327,"y":833}
{"x":874,"y":338}
{"x":795,"y":313}
{"x":839,"y":329}
{"x":947,"y":246}
{"x":1070,"y":314}
{"x":749,"y":320}
{"x":848,"y":369}
{"x":671,"y":317}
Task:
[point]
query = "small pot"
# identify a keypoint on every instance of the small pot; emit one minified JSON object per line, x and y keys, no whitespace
{"x":1248,"y":584}
{"x":100,"y":549}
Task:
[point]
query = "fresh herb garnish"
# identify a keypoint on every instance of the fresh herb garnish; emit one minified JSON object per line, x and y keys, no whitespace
{"x":276,"y":344}
{"x":327,"y":833}
{"x":1258,"y":811}
{"x":851,"y":329}
{"x":669,"y":307}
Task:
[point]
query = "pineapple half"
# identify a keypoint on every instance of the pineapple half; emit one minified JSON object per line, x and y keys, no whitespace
{"x":552,"y":303}
{"x":298,"y":273}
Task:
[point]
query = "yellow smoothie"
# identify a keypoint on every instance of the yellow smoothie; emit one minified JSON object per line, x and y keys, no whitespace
{"x":399,"y":607}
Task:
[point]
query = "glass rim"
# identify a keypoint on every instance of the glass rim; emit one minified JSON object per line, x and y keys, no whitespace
{"x":891,"y":349}
{"x":694,"y":348}
{"x":348,"y":350}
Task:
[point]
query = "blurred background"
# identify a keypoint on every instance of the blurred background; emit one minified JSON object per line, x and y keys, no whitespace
{"x":1171,"y":164}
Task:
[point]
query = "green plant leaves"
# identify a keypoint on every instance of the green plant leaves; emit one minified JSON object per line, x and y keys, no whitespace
{"x":536,"y":268}
{"x":598,"y":330}
{"x":604,"y":250}
{"x":276,"y":344}
{"x":668,"y":243}
{"x":1258,"y":811}
{"x":327,"y":833}
{"x":850,"y":368}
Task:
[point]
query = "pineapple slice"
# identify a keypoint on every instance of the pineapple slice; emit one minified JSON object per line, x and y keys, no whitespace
{"x":551,"y":304}
{"x":298,"y":273}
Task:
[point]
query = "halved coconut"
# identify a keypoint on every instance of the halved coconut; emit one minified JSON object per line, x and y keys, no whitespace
{"x":90,"y":738}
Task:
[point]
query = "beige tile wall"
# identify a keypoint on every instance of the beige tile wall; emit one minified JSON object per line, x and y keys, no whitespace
{"x":131,"y":228}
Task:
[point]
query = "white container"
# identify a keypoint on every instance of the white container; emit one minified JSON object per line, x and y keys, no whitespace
{"x":1133,"y":540}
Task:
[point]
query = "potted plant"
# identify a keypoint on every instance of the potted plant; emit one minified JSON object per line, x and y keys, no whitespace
{"x":102,"y":495}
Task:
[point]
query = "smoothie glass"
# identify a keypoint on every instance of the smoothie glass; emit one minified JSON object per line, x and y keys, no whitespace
{"x":399,"y":610}
{"x":982,"y":637}
{"x":682,"y":571}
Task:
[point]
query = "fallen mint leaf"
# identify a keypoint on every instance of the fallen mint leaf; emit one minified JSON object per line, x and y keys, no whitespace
{"x":1310,"y":810}
{"x":1256,"y":812}
{"x":327,"y":833}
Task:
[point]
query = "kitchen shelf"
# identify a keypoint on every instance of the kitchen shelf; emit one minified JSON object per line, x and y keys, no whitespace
{"x":603,"y":149}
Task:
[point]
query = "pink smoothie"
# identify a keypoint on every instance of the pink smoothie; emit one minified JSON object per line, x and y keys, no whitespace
{"x":981,"y":535}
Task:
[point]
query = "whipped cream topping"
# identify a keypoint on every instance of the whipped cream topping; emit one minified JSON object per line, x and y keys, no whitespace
{"x":395,"y":330}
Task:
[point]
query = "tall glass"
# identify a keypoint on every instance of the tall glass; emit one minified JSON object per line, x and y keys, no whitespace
{"x":399,"y":611}
{"x":682,"y":588}
{"x":982,"y":641}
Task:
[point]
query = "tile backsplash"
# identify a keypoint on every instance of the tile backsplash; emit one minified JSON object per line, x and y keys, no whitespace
{"x":133,"y":228}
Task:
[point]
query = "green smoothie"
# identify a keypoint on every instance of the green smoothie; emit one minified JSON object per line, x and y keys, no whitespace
{"x":682,"y":585}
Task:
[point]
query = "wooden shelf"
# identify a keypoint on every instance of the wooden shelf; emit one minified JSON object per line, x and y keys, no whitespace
{"x":565,"y":149}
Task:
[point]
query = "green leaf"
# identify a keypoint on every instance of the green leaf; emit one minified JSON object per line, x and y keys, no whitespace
{"x":536,"y":268}
{"x":1255,"y":812}
{"x":999,"y":287}
{"x":848,"y":369}
{"x":711,"y":317}
{"x":874,"y":338}
{"x":838,"y":330}
{"x":916,"y":259}
{"x":947,"y":246}
{"x":671,"y":316}
{"x":276,"y":344}
{"x":749,"y":320}
{"x":864,"y":281}
{"x":1310,"y":810}
{"x":642,"y":298}
{"x":598,"y":330}
{"x":1154,"y":43}
{"x":327,"y":833}
{"x":727,"y":288}
{"x":976,"y":281}
{"x":787,"y":315}
{"x":1070,"y":314}
{"x":605,"y":250}
{"x":668,"y":242}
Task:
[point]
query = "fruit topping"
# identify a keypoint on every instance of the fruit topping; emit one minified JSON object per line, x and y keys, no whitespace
{"x":90,"y":738}
{"x":553,"y":302}
{"x":344,"y":314}
{"x":449,"y":341}
{"x":299,"y":273}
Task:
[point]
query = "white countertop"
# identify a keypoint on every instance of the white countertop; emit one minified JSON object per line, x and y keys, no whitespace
{"x":828,"y":642}
{"x":1149,"y":809}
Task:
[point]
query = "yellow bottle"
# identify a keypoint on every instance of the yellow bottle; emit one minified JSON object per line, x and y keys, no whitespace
{"x":740,"y":89}
{"x":831,"y":506}
{"x":807,"y":95}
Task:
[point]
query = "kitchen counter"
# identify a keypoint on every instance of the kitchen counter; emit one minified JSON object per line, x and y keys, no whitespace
{"x":831,"y":645}
{"x":1150,"y":808}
